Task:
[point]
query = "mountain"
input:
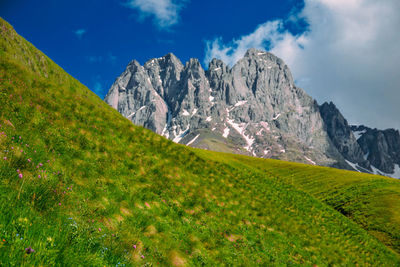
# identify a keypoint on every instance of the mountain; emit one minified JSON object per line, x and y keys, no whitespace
{"x":253,"y":108}
{"x":80,"y":185}
{"x":381,"y":148}
{"x":365,"y":149}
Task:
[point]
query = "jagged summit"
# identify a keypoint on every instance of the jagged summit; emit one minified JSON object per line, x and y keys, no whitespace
{"x":365,"y":149}
{"x":252,"y":108}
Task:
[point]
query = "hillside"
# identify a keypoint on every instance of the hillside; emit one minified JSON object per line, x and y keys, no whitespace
{"x":369,"y":200}
{"x":82,"y":186}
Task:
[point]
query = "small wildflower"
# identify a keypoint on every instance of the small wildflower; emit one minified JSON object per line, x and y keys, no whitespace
{"x":147,"y":204}
{"x":29,"y":160}
{"x":5,"y":158}
{"x":29,"y":250}
{"x":59,"y":204}
{"x":99,"y":229}
{"x":12,"y":147}
{"x":39,"y":176}
{"x":134,"y":246}
{"x":40,"y":164}
{"x":142,"y":256}
{"x":20,"y":176}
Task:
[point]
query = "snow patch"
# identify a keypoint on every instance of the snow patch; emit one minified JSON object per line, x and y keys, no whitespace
{"x":240,"y":128}
{"x":265,"y":125}
{"x":167,"y":125}
{"x":240,"y":103}
{"x":266,"y":152}
{"x":194,"y":139}
{"x":260,"y":132}
{"x":358,"y":134}
{"x":226,"y":132}
{"x":131,"y":115}
{"x":194,"y":112}
{"x":141,"y":108}
{"x":185,"y":113}
{"x":261,"y":53}
{"x":276,"y":117}
{"x":213,"y":129}
{"x":353,"y":165}
{"x":181,"y":134}
{"x":309,"y":160}
{"x":216,"y":69}
{"x":282,"y":151}
{"x":208,"y":119}
{"x":211,"y":98}
{"x":396,"y":173}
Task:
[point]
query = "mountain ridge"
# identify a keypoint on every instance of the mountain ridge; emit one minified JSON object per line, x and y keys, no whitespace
{"x":252,"y":108}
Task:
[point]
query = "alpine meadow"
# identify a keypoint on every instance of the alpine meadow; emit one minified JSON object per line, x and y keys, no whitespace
{"x":81,"y":185}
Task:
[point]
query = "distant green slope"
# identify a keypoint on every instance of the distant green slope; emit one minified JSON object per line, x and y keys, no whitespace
{"x":82,"y":186}
{"x":371,"y":201}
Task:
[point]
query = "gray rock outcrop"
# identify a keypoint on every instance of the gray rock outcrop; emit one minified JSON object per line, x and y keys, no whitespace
{"x":253,"y":108}
{"x":381,"y":148}
{"x":365,"y":149}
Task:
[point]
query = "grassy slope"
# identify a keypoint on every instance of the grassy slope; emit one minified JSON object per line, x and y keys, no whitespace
{"x":371,"y":201}
{"x":111,"y":193}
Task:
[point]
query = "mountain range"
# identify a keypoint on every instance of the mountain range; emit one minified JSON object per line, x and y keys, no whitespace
{"x":253,"y":108}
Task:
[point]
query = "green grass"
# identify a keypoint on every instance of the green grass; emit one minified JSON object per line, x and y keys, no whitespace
{"x":111,"y":193}
{"x":371,"y":201}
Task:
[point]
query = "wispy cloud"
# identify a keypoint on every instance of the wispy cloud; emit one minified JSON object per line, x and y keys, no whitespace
{"x":165,"y":13}
{"x":95,"y":59}
{"x":349,"y":54}
{"x":112,"y":58}
{"x":98,"y":88}
{"x":79,"y":33}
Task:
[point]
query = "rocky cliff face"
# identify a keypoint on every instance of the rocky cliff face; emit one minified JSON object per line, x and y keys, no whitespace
{"x":381,"y":148}
{"x":252,"y":108}
{"x":342,"y":136}
{"x":365,"y":149}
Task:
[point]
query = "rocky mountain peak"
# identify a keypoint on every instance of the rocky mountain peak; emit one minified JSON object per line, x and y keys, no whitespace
{"x":253,"y":108}
{"x":341,"y":135}
{"x":381,"y":148}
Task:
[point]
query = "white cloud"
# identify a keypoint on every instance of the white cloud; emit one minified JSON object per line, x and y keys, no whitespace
{"x":165,"y":12}
{"x":349,"y":55}
{"x":80,"y":32}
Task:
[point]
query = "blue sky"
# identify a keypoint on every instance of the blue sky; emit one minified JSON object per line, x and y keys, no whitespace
{"x":95,"y":40}
{"x":340,"y":50}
